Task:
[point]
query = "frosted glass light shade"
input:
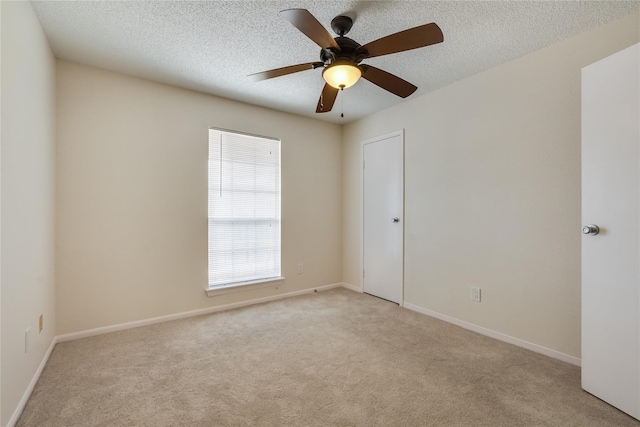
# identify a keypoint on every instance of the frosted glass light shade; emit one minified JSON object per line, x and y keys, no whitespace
{"x":341,"y":74}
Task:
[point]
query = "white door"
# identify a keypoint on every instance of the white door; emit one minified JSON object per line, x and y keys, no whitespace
{"x":611,"y":259}
{"x":383,"y":182}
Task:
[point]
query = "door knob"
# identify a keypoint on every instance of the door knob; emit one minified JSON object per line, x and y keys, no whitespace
{"x":591,"y":229}
{"x":396,"y":219}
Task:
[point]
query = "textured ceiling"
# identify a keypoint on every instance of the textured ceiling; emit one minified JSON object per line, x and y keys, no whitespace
{"x":212,"y":46}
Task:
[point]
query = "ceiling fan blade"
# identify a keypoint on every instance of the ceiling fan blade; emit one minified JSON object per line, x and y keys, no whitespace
{"x":387,"y":81}
{"x":277,"y":72}
{"x":412,"y":38}
{"x":327,"y":98}
{"x":304,"y":21}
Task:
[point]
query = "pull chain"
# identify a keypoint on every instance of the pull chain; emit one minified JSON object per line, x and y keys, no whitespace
{"x":342,"y":101}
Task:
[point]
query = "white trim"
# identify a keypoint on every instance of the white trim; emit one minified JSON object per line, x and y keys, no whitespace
{"x":253,"y":135}
{"x":245,"y":286}
{"x":27,"y":394}
{"x":496,"y":335}
{"x":399,"y":132}
{"x":352,"y":287}
{"x":160,"y":319}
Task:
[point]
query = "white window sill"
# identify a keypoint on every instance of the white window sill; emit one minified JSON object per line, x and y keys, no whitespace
{"x":246,"y":286}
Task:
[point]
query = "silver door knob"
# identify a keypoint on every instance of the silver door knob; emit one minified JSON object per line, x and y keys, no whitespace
{"x":591,"y":229}
{"x":396,"y":219}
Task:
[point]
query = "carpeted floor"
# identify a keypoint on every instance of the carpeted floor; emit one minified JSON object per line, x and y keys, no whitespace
{"x":335,"y":358}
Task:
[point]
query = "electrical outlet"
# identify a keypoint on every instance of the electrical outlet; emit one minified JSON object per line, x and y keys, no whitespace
{"x":300,"y":269}
{"x":26,"y":339}
{"x":40,"y":323}
{"x":475,"y":294}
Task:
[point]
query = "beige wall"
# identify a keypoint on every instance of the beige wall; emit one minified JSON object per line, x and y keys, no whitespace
{"x":493,"y":191}
{"x":27,"y":177}
{"x":132,"y":197}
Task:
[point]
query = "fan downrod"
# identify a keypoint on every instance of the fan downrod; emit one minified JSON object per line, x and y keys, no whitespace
{"x":341,"y":25}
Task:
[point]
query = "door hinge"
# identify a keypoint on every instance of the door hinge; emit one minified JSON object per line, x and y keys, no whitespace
{"x":363,"y":273}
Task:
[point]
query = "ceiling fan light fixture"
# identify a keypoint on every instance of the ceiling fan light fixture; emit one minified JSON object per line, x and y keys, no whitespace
{"x":342,"y":74}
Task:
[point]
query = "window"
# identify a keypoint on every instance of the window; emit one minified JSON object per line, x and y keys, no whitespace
{"x":244,"y":209}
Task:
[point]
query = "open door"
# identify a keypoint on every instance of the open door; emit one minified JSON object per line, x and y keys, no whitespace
{"x":611,"y":230}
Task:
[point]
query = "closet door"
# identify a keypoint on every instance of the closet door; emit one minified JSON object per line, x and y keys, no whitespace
{"x":611,"y":230}
{"x":383,"y":222}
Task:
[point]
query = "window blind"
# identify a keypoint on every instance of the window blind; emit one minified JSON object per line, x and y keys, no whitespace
{"x":244,"y":208}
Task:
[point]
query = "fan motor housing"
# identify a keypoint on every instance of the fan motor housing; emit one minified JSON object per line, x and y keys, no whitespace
{"x":347,"y":51}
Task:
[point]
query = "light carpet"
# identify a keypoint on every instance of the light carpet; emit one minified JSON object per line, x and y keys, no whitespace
{"x":334,"y":358}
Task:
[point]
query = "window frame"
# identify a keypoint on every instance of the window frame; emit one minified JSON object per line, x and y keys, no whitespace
{"x":275,"y":281}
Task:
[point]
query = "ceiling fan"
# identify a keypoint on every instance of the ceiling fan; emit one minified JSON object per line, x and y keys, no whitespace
{"x":340,"y":57}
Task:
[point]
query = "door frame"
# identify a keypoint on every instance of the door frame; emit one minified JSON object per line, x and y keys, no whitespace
{"x":399,"y":133}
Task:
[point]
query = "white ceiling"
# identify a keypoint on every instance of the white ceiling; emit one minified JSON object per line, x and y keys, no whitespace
{"x":212,"y":46}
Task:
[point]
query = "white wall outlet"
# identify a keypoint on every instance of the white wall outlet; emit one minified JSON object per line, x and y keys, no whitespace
{"x":475,"y":294}
{"x":300,"y":269}
{"x":26,"y":339}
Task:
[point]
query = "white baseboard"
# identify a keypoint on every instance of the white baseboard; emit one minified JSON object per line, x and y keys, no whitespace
{"x":352,"y":287}
{"x":135,"y":324}
{"x":27,"y":394}
{"x":496,"y":335}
